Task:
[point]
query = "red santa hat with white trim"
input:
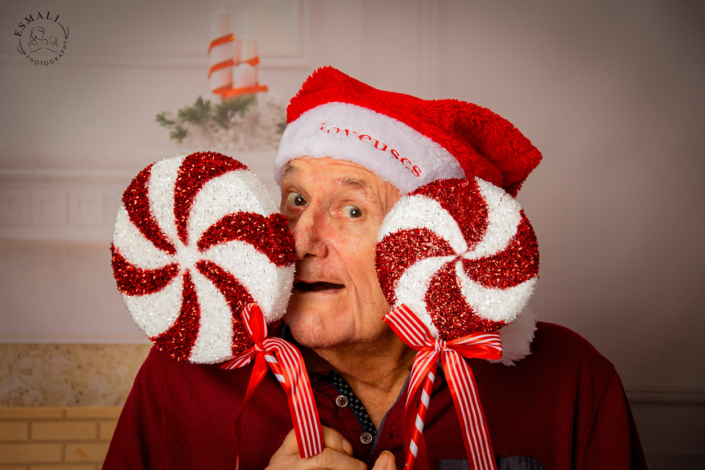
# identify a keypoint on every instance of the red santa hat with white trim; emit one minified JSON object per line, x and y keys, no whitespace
{"x":455,"y":161}
{"x":407,"y":141}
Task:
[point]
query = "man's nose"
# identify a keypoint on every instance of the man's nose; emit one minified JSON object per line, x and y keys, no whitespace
{"x":307,"y":234}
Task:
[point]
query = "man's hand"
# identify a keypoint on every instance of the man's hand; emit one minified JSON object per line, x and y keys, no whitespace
{"x":335,"y":456}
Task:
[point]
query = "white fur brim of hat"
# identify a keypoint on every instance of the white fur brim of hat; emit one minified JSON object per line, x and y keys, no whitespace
{"x":387,"y":147}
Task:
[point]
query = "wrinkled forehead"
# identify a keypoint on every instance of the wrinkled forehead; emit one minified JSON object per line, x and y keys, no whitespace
{"x":330,"y":168}
{"x":338,"y":176}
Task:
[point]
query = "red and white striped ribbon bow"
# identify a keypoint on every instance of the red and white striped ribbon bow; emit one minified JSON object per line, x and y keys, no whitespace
{"x":460,"y":381}
{"x":287,"y":364}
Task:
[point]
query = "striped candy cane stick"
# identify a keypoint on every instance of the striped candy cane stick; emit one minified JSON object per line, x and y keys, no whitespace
{"x":287,"y":364}
{"x":274,"y":365}
{"x":461,"y":382}
{"x":414,"y":441}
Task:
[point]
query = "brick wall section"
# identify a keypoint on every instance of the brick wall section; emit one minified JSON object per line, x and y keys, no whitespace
{"x":55,"y":438}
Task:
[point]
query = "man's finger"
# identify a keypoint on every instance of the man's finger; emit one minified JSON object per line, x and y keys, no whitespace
{"x":289,"y":446}
{"x":385,"y":461}
{"x":334,"y":440}
{"x":331,"y":439}
{"x":331,"y":459}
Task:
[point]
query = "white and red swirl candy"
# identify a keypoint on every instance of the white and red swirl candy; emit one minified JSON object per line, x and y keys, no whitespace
{"x":457,"y":259}
{"x":460,"y":254}
{"x":196,"y":239}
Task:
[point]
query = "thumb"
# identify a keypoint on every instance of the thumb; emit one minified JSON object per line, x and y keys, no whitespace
{"x":289,"y":446}
{"x":385,"y":461}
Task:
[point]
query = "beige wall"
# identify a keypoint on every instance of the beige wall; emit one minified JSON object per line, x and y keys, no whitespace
{"x":609,"y":91}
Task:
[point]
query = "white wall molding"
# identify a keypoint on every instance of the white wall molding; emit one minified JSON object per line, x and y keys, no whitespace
{"x":76,"y":205}
{"x":76,"y":210}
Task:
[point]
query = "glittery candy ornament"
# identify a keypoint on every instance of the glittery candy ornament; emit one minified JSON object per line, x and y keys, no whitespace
{"x":457,"y":259}
{"x":196,"y":239}
{"x":460,"y":254}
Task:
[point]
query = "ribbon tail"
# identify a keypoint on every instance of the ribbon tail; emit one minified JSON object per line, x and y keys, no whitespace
{"x":302,"y":404}
{"x":476,"y":435}
{"x":409,"y":328}
{"x":240,"y":361}
{"x":258,"y":373}
{"x":478,"y":345}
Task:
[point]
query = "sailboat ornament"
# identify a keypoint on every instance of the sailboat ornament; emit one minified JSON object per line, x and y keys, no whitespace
{"x":233,"y":61}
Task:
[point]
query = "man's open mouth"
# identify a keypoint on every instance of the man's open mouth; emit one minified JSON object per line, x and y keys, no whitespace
{"x":316,"y":286}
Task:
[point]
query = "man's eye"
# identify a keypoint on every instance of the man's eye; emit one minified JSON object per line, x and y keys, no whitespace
{"x":295,"y":199}
{"x":353,"y":212}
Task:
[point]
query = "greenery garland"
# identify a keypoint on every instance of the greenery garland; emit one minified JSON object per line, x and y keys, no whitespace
{"x":239,"y":123}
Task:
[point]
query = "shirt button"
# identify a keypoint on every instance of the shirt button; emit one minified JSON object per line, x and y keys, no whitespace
{"x":365,"y":437}
{"x":341,"y":401}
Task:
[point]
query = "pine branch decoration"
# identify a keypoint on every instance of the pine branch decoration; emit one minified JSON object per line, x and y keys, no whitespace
{"x":227,"y":109}
{"x":242,"y":123}
{"x":198,"y":114}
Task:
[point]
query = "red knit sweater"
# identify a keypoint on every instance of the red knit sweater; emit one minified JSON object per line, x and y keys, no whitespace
{"x":563,"y":406}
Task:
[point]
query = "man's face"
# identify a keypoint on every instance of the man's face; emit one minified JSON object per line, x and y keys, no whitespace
{"x":335,"y":209}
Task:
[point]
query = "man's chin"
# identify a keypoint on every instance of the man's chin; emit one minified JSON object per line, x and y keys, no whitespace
{"x":314,"y":331}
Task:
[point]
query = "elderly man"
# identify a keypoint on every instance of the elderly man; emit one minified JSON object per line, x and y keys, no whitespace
{"x":348,"y":155}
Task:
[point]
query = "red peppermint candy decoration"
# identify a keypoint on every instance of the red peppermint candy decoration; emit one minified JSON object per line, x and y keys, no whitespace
{"x":460,"y":254}
{"x":197,"y":238}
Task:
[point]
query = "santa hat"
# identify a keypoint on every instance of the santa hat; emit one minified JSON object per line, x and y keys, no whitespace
{"x":405,"y":140}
